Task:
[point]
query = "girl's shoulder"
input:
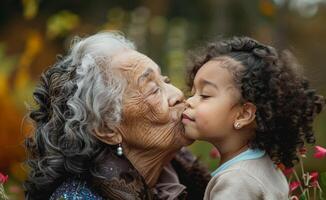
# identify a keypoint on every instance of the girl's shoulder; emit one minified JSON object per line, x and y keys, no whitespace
{"x":257,"y":176}
{"x":233,"y":183}
{"x":263,"y":170}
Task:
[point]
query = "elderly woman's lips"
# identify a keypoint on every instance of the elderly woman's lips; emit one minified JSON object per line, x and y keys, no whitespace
{"x":186,"y":118}
{"x":177,"y":112}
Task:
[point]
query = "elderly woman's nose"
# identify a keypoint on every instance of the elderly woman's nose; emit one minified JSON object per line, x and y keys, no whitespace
{"x":175,"y":96}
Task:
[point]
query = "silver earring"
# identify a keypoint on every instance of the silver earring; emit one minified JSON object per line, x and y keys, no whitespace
{"x":237,"y":125}
{"x":119,"y":150}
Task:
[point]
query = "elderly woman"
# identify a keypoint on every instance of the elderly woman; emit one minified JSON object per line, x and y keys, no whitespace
{"x":107,"y":126}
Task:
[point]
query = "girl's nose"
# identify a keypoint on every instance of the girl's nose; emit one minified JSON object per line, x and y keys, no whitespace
{"x":190,"y":102}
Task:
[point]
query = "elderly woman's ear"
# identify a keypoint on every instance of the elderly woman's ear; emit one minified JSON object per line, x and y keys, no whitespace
{"x":108,"y":136}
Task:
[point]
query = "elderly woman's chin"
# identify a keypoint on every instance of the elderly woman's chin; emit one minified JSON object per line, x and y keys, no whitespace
{"x":181,"y":138}
{"x":173,"y":126}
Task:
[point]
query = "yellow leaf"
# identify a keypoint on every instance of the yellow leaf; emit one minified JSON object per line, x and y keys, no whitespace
{"x":33,"y":47}
{"x":267,"y":8}
{"x":61,"y":23}
{"x":30,"y":8}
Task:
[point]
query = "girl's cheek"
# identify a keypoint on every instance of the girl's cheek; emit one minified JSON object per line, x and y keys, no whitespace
{"x":203,"y":126}
{"x":202,"y":116}
{"x":202,"y":111}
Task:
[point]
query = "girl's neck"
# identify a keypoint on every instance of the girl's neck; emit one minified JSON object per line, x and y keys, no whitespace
{"x":230,"y":150}
{"x":234,"y":144}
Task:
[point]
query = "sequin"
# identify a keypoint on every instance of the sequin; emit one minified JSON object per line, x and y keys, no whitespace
{"x":73,"y":189}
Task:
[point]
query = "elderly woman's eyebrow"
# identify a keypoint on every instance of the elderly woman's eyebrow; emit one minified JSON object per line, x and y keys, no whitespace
{"x":159,"y":70}
{"x":145,"y":75}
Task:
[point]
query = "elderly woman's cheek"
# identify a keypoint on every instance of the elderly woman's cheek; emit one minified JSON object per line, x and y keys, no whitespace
{"x":164,"y":110}
{"x":134,"y":108}
{"x":158,"y":108}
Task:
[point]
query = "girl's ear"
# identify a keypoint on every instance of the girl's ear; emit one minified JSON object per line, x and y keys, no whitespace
{"x":246,"y":115}
{"x":108,"y":136}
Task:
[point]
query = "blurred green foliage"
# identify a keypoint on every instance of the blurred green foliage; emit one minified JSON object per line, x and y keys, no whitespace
{"x":33,"y":32}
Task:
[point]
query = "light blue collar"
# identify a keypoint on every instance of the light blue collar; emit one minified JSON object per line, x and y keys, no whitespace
{"x":249,"y":154}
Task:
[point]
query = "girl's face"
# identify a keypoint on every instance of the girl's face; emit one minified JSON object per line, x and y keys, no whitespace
{"x":212,"y":109}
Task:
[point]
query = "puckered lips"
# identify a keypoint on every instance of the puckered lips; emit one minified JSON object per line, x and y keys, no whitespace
{"x":186,"y":118}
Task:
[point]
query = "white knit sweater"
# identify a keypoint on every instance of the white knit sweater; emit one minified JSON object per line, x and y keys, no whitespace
{"x":249,"y":180}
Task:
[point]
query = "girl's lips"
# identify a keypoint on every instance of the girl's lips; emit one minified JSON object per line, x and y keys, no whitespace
{"x":184,"y":116}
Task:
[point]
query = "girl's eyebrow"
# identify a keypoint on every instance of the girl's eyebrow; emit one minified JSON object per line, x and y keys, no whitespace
{"x":206,"y":82}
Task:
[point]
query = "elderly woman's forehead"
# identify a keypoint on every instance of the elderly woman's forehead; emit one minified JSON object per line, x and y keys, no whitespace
{"x":133,"y":60}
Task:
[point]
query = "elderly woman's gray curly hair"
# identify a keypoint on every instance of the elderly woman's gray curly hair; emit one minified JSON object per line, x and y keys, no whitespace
{"x":76,"y":95}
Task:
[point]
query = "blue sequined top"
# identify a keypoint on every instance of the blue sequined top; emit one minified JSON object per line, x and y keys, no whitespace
{"x":74,"y":189}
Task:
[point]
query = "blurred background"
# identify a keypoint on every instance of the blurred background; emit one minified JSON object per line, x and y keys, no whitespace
{"x":34,"y":32}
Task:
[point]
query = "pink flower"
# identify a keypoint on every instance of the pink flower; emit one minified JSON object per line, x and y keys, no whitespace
{"x":303,"y":151}
{"x":294,"y":198}
{"x":281,"y":166}
{"x":214,"y":153}
{"x":314,"y":179}
{"x":294,"y":185}
{"x":314,"y":176}
{"x":287,"y":171}
{"x":320,"y":152}
{"x":3,"y":178}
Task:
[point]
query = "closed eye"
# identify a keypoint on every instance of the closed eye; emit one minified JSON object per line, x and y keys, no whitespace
{"x":156,"y":90}
{"x":204,"y":96}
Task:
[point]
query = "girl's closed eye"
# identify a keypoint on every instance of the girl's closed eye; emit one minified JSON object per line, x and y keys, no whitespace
{"x":203,"y":96}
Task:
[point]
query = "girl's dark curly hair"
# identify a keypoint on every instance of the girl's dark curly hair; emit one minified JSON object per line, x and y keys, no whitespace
{"x":270,"y":79}
{"x":74,"y":97}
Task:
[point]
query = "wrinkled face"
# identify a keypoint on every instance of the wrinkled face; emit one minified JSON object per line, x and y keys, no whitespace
{"x":152,"y":107}
{"x":212,"y":109}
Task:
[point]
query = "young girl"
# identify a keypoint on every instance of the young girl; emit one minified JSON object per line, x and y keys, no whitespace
{"x":251,"y":102}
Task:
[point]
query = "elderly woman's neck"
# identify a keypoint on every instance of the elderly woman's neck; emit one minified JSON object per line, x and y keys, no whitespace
{"x":149,"y":163}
